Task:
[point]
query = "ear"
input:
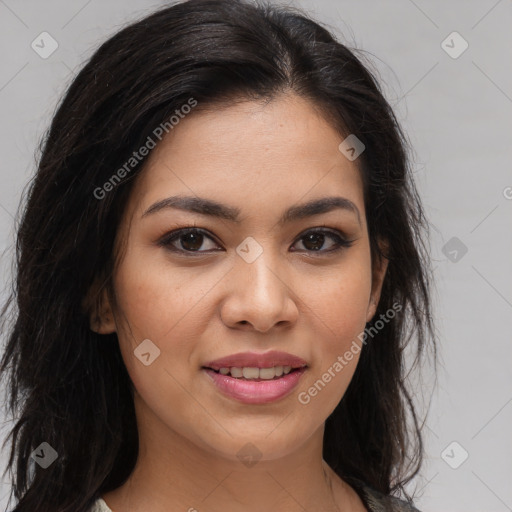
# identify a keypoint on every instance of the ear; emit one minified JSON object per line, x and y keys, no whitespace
{"x":99,"y":310}
{"x":379,"y":268}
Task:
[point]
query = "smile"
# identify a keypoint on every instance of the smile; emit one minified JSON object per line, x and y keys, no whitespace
{"x":261,"y":386}
{"x":251,"y":373}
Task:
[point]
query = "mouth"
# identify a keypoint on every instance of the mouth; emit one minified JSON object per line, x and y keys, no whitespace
{"x":254,"y":373}
{"x":253,"y":378}
{"x":246,"y":364}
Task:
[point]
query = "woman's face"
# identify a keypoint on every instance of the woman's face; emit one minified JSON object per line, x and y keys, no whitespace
{"x":261,"y":273}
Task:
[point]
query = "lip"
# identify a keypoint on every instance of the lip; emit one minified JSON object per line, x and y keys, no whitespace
{"x":256,"y":360}
{"x":253,"y":391}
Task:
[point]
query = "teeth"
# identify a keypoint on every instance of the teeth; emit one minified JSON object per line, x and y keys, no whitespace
{"x":250,"y":373}
{"x":266,"y":373}
{"x":256,"y":373}
{"x":236,"y":372}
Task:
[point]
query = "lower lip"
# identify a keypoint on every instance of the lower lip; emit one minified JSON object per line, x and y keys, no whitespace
{"x":256,"y":392}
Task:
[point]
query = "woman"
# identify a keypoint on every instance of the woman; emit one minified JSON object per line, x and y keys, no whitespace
{"x":220,"y":262}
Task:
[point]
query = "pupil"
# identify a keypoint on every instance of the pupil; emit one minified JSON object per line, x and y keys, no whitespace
{"x":317,"y":239}
{"x":194,"y":242}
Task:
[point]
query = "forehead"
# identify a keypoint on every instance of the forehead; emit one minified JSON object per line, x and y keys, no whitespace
{"x":250,"y":153}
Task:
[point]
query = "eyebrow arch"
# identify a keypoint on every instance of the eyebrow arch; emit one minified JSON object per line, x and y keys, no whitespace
{"x":212,"y":208}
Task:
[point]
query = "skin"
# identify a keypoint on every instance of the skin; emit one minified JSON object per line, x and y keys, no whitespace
{"x":262,"y":159}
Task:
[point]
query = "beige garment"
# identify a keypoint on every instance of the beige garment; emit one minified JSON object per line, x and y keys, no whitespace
{"x":100,"y":506}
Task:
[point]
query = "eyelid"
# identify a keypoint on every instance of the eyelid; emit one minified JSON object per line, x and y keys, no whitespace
{"x":343,"y":242}
{"x":176,"y":233}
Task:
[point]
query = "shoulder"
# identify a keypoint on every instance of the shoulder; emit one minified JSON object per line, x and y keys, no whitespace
{"x":376,"y":501}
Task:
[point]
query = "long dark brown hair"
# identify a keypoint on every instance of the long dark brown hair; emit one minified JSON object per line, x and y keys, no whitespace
{"x":67,"y":385}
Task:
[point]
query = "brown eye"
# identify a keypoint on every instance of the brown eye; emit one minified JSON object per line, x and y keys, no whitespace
{"x":191,"y":241}
{"x":188,"y":240}
{"x":314,"y":241}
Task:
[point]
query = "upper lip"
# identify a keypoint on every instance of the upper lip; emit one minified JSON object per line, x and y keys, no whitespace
{"x":255,"y":360}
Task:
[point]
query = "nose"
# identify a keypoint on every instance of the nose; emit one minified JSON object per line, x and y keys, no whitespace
{"x":259,"y":296}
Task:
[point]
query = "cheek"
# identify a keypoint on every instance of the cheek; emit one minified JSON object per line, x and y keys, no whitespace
{"x":168,"y":308}
{"x":158,"y":302}
{"x":339,"y":313}
{"x":345,"y":309}
{"x":342,"y":298}
{"x":150,"y":307}
{"x":343,"y":320}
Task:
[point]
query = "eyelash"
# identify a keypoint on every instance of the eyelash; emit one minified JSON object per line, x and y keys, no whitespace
{"x":166,"y":240}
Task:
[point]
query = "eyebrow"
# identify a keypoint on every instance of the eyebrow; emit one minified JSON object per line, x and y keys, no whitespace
{"x":212,"y":208}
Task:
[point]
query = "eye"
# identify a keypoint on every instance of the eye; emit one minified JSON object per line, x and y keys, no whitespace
{"x":186,"y":240}
{"x":314,"y":240}
{"x":195,"y":240}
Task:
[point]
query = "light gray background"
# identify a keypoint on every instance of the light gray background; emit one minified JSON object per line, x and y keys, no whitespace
{"x":458,"y":116}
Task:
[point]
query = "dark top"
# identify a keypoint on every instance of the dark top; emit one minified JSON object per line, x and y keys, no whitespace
{"x":376,"y":501}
